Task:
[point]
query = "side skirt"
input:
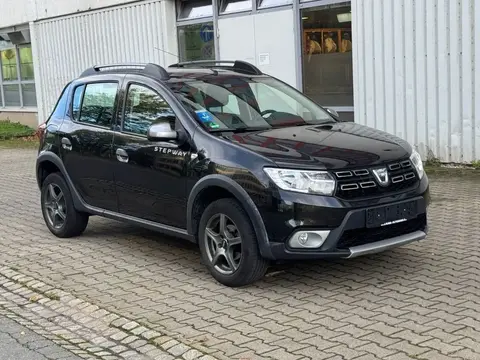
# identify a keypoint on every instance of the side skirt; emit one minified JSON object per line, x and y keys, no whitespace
{"x":151,"y":225}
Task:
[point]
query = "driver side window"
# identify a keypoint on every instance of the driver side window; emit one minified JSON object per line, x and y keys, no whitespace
{"x":145,"y":107}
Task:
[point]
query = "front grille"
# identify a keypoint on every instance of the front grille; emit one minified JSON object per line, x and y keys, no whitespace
{"x":362,"y":183}
{"x":357,"y":237}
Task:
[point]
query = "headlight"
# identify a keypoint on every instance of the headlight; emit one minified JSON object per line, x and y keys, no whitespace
{"x":417,"y":162}
{"x":315,"y":182}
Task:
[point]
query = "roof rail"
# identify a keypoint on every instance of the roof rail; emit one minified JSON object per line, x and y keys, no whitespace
{"x":237,"y":65}
{"x":150,"y":69}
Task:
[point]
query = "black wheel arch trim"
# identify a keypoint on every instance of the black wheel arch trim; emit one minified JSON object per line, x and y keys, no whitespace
{"x":245,"y":200}
{"x":55,"y":159}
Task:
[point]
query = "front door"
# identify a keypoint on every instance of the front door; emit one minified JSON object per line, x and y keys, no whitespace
{"x":86,"y":138}
{"x":149,"y":175}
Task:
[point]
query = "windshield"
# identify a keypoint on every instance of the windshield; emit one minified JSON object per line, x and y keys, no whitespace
{"x":223,"y":103}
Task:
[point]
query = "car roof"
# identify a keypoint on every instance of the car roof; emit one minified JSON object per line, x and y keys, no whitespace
{"x":179,"y":72}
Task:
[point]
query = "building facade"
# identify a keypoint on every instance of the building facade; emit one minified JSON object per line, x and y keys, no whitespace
{"x":409,"y":67}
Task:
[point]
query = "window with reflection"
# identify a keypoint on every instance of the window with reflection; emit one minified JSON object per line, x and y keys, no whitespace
{"x":29,"y":95}
{"x":271,"y":3}
{"x":220,"y":102}
{"x":192,"y":9}
{"x":12,"y":95}
{"x":77,"y":102}
{"x":17,"y":80}
{"x":26,"y":62}
{"x":196,"y":42}
{"x":98,"y":104}
{"x":8,"y":58}
{"x":327,"y":54}
{"x":145,"y":107}
{"x":233,"y":6}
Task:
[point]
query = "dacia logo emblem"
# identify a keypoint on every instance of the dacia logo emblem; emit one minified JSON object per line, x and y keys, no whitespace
{"x":382,"y":176}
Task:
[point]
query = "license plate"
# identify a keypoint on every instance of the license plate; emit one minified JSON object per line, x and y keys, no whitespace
{"x":391,"y":214}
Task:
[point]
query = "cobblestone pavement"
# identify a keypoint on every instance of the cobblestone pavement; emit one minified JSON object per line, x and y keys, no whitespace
{"x":421,"y":301}
{"x":81,"y":327}
{"x":19,"y":343}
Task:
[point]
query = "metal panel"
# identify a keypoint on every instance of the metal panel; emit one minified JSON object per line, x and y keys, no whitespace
{"x":417,"y":73}
{"x":68,"y":45}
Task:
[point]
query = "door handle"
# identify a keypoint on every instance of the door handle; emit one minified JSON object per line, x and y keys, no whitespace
{"x":66,"y":144}
{"x":122,"y":155}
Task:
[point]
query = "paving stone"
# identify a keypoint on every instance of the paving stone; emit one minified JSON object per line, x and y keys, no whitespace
{"x":167,"y":345}
{"x":178,"y":349}
{"x":441,"y":346}
{"x":130,"y":325}
{"x":466,"y":354}
{"x":376,"y":349}
{"x":281,"y":354}
{"x":120,"y":322}
{"x":192,"y":354}
{"x":345,"y":352}
{"x":129,"y":339}
{"x":435,"y":355}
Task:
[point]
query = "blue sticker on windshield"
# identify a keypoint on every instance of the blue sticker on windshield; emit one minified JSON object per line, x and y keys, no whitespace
{"x":204,"y":116}
{"x":207,"y":118}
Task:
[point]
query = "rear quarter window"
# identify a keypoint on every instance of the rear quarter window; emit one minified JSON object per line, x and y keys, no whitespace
{"x":77,"y":101}
{"x":61,"y":106}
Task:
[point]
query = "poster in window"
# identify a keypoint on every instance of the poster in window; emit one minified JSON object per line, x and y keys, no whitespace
{"x":346,"y":43}
{"x":197,"y":42}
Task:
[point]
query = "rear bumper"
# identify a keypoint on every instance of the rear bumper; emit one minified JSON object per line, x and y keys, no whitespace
{"x":352,"y":238}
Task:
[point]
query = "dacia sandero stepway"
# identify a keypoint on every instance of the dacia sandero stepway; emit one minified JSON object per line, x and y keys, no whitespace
{"x":230,"y":158}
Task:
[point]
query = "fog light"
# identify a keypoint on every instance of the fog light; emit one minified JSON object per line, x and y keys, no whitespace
{"x":308,"y":239}
{"x":303,"y":238}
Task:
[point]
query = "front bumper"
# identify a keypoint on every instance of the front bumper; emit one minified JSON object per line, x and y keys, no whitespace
{"x":386,"y":244}
{"x":352,"y":238}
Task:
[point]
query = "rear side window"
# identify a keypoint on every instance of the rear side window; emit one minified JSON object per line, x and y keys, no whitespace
{"x":98,"y":104}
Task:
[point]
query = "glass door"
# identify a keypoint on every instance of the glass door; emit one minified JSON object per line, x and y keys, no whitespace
{"x":327,"y":56}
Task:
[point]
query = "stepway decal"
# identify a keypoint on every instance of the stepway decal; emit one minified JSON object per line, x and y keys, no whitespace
{"x":170,"y":151}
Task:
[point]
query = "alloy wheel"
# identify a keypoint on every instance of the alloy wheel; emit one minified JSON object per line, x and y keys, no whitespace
{"x":223,"y":244}
{"x":55,"y":206}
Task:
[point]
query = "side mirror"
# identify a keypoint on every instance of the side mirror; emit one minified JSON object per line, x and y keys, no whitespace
{"x":162,"y":131}
{"x":333,"y":113}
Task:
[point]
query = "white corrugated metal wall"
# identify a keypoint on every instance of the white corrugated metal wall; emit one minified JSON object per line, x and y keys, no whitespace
{"x":417,"y":73}
{"x":68,"y":45}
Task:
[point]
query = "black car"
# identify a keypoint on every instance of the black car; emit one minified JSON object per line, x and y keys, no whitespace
{"x":230,"y":158}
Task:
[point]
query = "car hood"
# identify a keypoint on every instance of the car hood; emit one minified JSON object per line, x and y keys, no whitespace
{"x":328,"y":146}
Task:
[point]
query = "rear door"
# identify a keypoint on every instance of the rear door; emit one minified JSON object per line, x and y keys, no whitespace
{"x":87,"y":137}
{"x":150,"y":175}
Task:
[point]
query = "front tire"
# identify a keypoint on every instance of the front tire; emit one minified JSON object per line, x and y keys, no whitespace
{"x":228,"y":244}
{"x":59,"y":213}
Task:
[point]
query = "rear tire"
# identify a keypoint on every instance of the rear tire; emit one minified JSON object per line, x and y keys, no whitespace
{"x":59,"y":213}
{"x":228,"y":244}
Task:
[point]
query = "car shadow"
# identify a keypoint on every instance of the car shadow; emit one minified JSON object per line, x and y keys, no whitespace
{"x":384,"y":268}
